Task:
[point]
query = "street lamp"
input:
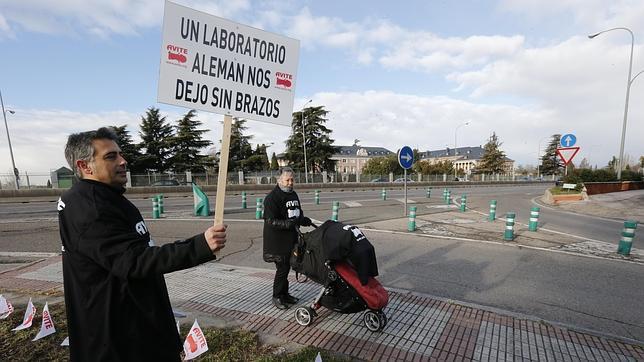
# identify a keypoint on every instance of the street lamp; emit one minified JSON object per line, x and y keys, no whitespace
{"x":13,"y":163}
{"x":306,"y":172}
{"x":455,"y":145}
{"x":629,"y":81}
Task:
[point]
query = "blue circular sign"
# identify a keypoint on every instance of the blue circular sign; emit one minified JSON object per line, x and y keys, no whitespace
{"x":568,"y":140}
{"x":406,"y":157}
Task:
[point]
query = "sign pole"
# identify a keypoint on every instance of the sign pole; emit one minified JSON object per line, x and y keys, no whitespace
{"x":405,"y":178}
{"x":223,"y":171}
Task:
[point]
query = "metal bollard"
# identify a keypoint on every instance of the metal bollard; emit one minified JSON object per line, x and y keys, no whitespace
{"x":384,"y":194}
{"x":509,"y":226}
{"x":463,"y":202}
{"x":259,"y":208}
{"x":243,"y":199}
{"x":448,"y":198}
{"x":492,"y":216}
{"x":444,"y":194}
{"x":411,"y":224}
{"x":336,"y":208}
{"x":161,"y":209}
{"x":626,"y":241}
{"x":155,"y":207}
{"x":317,"y":197}
{"x":534,"y":219}
{"x":429,"y":192}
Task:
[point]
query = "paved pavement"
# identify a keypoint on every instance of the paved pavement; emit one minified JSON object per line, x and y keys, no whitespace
{"x":420,"y":327}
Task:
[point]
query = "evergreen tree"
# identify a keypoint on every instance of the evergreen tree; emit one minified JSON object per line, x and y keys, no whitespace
{"x":493,"y":159}
{"x":258,"y":161}
{"x":186,"y":145}
{"x":382,"y":166}
{"x":240,"y":148}
{"x":274,"y":165}
{"x":584,"y":163}
{"x":130,"y":150}
{"x":155,"y":135}
{"x":319,"y":144}
{"x":551,"y":163}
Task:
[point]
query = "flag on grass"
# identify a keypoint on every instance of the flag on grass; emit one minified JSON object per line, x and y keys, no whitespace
{"x":195,"y":343}
{"x":47,"y":326}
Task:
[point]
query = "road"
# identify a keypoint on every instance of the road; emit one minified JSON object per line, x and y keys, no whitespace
{"x":596,"y":294}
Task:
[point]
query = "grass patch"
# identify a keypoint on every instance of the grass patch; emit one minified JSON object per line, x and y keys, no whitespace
{"x":223,"y":344}
{"x":558,"y":190}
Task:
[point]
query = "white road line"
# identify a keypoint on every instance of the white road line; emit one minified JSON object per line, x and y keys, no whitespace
{"x":352,"y":203}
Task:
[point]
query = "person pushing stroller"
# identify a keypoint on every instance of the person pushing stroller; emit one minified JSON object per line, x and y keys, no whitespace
{"x":282,"y":214}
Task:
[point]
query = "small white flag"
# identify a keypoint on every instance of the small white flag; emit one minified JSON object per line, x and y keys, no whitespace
{"x":318,"y":358}
{"x":30,"y":313}
{"x":65,"y":342}
{"x":47,"y":326}
{"x":178,"y":329}
{"x":195,"y":343}
{"x":5,"y":308}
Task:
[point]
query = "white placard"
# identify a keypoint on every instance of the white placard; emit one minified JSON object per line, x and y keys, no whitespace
{"x":216,"y":65}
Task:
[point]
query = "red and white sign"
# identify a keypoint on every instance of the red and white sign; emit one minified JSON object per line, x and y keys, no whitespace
{"x":5,"y":308}
{"x":195,"y":343}
{"x":47,"y":326}
{"x":567,"y":154}
{"x":30,"y":313}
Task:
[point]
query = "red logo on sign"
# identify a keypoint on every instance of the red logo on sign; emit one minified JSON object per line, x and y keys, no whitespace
{"x":192,"y":343}
{"x":283,"y":80}
{"x":177,"y":53}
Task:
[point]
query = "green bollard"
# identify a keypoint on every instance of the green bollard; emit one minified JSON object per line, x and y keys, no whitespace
{"x":429,"y":192}
{"x":509,"y":226}
{"x":411,"y":224}
{"x":259,"y":208}
{"x":155,"y":207}
{"x":161,"y":209}
{"x":448,"y":198}
{"x":463,"y":203}
{"x":492,"y":216}
{"x":243,"y":199}
{"x":336,"y":208}
{"x":317,"y":197}
{"x":384,"y":194}
{"x":445,"y":195}
{"x":534,"y":219}
{"x":628,"y":233}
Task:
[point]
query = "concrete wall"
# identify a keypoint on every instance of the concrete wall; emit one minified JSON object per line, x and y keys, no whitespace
{"x":594,"y":188}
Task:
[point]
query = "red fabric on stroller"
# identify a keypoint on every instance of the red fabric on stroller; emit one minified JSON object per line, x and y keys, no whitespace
{"x":373,"y":293}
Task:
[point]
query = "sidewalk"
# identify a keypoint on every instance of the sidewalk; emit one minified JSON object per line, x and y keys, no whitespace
{"x":420,"y":327}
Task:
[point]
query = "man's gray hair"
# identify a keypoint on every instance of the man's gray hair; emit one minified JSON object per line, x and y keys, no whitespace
{"x":79,"y":146}
{"x":286,"y":170}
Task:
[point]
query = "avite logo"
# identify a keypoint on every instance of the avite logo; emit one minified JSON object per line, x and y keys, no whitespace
{"x":283,"y":80}
{"x":177,"y":53}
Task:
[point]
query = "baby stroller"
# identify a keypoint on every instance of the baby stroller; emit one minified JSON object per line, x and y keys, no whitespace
{"x":341,"y":259}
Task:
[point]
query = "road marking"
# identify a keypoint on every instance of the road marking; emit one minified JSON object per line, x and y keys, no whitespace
{"x":27,"y":254}
{"x":409,"y":201}
{"x":573,"y":213}
{"x":352,"y":203}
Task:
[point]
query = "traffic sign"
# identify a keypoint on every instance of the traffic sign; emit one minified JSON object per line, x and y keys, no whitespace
{"x":405,"y":157}
{"x":568,"y":140}
{"x":567,"y":154}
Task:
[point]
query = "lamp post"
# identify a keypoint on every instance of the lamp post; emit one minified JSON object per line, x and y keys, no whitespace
{"x":13,"y":163}
{"x":629,"y":81}
{"x":306,"y":172}
{"x":456,"y":146}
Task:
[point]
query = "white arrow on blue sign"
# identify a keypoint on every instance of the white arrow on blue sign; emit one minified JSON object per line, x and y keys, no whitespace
{"x":568,"y":140}
{"x":406,"y":157}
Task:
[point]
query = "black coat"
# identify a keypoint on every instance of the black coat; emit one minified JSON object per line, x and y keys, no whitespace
{"x":115,"y":293}
{"x":282,"y":211}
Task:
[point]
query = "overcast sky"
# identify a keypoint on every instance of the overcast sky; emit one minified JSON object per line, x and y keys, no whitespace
{"x":390,"y":73}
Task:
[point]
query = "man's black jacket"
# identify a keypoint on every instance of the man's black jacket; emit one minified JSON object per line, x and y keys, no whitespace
{"x":282,"y":211}
{"x":115,"y":294}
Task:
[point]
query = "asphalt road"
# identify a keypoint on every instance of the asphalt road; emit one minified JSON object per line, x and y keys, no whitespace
{"x":596,"y":294}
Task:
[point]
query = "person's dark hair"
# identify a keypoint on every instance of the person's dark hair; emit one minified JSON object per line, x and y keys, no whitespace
{"x":79,"y":146}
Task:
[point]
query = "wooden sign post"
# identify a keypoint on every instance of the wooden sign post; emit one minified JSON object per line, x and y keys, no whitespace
{"x":223,"y":170}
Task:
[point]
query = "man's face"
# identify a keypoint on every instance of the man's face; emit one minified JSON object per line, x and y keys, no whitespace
{"x":286,"y":181}
{"x":108,"y":165}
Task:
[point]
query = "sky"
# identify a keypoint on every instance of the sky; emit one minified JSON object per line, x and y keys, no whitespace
{"x":390,"y":73}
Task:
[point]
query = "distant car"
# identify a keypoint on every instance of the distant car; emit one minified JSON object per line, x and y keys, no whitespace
{"x":166,"y":183}
{"x":402,"y":179}
{"x":379,"y":180}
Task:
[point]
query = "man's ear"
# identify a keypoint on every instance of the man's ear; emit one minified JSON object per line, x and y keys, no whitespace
{"x":84,"y":167}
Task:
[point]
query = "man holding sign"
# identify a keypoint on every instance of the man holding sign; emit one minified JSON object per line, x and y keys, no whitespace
{"x":115,"y":293}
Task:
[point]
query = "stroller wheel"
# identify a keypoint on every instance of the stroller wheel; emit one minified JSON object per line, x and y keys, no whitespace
{"x":332,"y":275}
{"x":383,"y":319}
{"x":303,"y":316}
{"x":373,"y":321}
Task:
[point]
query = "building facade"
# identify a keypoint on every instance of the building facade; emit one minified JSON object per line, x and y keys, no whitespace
{"x":464,"y":159}
{"x":352,"y":159}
